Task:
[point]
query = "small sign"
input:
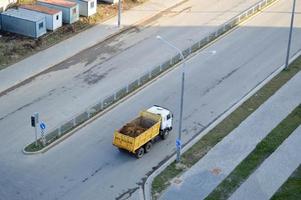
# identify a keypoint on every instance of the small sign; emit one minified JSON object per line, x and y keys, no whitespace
{"x":178,"y":144}
{"x":42,"y":125}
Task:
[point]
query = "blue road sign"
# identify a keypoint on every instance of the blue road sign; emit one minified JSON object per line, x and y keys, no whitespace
{"x":42,"y":125}
{"x":178,"y":143}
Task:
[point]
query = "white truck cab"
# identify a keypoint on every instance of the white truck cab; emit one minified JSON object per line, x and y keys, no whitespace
{"x":166,"y":122}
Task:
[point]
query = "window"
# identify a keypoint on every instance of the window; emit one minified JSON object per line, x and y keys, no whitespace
{"x":41,"y":25}
{"x":168,"y":117}
{"x":57,"y":17}
{"x":92,"y":4}
{"x":74,"y":11}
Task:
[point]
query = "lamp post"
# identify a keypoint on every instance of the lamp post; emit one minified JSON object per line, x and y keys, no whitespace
{"x":290,"y":36}
{"x":182,"y":93}
{"x":119,"y":13}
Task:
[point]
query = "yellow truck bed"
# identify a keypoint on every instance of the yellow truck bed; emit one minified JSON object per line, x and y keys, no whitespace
{"x":131,"y":142}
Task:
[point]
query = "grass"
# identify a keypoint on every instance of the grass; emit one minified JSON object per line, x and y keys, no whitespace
{"x":197,"y":151}
{"x":291,"y":189}
{"x":263,"y":150}
{"x":33,"y":147}
{"x":14,"y":47}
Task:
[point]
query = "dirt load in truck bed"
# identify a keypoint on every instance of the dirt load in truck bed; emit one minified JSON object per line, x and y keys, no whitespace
{"x":136,"y":127}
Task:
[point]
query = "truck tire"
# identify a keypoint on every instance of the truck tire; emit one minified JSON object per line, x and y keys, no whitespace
{"x":121,"y":150}
{"x":164,"y":134}
{"x":139,"y":152}
{"x":148,"y":147}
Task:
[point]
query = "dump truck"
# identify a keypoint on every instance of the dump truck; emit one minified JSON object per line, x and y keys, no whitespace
{"x":138,"y":135}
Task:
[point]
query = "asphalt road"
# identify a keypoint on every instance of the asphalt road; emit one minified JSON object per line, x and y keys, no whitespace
{"x":87,"y":166}
{"x":70,"y":87}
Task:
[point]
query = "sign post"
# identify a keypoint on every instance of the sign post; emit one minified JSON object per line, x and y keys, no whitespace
{"x":34,"y":123}
{"x":43,"y":127}
{"x":179,"y":147}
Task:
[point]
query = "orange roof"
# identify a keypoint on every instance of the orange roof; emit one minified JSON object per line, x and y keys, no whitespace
{"x":59,"y":2}
{"x":41,"y":9}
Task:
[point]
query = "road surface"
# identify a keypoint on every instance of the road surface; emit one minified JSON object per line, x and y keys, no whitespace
{"x":87,"y":166}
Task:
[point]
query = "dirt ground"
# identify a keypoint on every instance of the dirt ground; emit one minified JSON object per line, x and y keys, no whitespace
{"x":137,"y":126}
{"x":132,"y":130}
{"x":14,"y":48}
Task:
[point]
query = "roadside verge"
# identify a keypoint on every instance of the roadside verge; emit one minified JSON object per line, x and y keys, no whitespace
{"x":198,"y":147}
{"x":263,"y":150}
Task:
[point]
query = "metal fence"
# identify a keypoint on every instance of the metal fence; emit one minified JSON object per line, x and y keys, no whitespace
{"x":91,"y":111}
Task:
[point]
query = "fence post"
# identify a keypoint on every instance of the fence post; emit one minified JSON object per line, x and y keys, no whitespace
{"x":89,"y":113}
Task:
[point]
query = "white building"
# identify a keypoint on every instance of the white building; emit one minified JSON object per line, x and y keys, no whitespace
{"x":86,"y":7}
{"x":53,"y":16}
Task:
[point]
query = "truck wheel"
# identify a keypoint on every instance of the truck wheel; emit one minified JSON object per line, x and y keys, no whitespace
{"x":148,"y":147}
{"x":164,"y":134}
{"x":140,"y":152}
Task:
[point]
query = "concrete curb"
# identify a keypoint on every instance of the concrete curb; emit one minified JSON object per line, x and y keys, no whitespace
{"x":148,"y":183}
{"x":117,"y":32}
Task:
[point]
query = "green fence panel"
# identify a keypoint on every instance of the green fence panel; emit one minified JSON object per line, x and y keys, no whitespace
{"x":133,"y":86}
{"x":166,"y":65}
{"x":220,"y":31}
{"x":155,"y":72}
{"x":176,"y":59}
{"x":108,"y":101}
{"x":195,"y":47}
{"x":212,"y":36}
{"x":144,"y":79}
{"x":67,"y":127}
{"x":81,"y":118}
{"x":51,"y":136}
{"x":121,"y":93}
{"x":203,"y":42}
{"x":96,"y":108}
{"x":186,"y":52}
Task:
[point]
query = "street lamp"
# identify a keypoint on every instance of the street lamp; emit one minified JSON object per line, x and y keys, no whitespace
{"x":290,"y":36}
{"x":182,"y":94}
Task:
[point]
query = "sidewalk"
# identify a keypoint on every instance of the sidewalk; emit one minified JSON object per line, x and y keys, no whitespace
{"x":209,"y":172}
{"x":273,"y":172}
{"x":47,"y":58}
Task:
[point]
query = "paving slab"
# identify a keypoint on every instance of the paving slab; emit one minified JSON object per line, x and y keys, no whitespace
{"x":199,"y":181}
{"x":273,"y":172}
